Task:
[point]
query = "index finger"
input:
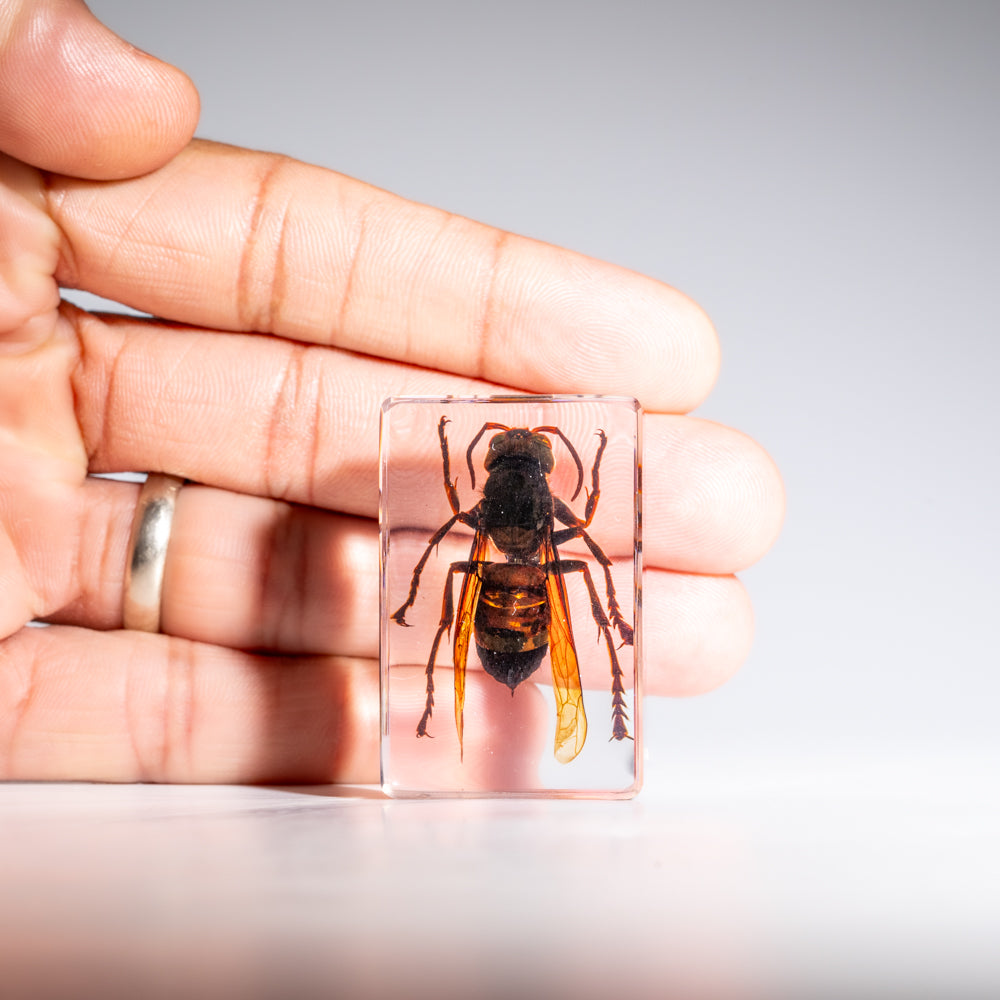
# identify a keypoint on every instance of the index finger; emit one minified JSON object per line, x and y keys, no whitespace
{"x":236,"y":240}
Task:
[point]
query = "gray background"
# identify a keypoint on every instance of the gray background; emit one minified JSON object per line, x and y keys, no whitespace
{"x":822,"y":178}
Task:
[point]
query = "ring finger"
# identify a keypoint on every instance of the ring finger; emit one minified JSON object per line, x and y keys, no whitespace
{"x":254,"y":573}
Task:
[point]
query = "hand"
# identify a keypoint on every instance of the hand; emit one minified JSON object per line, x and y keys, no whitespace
{"x":292,"y":301}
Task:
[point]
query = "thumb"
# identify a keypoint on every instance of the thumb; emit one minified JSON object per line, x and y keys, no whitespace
{"x":75,"y":99}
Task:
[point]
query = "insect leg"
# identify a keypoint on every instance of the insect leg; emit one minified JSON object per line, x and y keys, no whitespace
{"x":466,"y":517}
{"x":548,"y":429}
{"x":619,"y":717}
{"x":449,"y":486}
{"x":595,"y":492}
{"x":593,"y":495}
{"x":614,"y":608}
{"x":566,"y":516}
{"x":444,"y":625}
{"x":435,"y":540}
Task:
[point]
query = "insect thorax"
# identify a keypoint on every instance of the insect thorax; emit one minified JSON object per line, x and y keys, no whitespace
{"x":517,"y":508}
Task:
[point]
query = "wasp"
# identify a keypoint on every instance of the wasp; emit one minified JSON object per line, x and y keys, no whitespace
{"x":516,"y":608}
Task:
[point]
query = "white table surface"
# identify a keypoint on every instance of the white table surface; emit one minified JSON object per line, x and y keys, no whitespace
{"x":720,"y":880}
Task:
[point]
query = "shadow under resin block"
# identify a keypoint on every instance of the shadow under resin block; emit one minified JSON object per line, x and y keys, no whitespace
{"x":511,"y":569}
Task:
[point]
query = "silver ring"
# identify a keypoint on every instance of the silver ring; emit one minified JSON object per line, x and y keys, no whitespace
{"x":147,"y":548}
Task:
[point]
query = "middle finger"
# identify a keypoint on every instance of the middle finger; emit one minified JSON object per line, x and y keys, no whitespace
{"x":264,"y":416}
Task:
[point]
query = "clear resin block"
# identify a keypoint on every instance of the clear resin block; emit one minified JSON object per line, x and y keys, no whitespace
{"x":510,"y":604}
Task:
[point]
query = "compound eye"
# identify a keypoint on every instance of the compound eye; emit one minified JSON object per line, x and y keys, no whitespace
{"x":542,"y":449}
{"x":495,"y":450}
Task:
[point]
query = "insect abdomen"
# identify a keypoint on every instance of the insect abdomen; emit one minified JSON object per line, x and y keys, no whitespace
{"x":512,"y":621}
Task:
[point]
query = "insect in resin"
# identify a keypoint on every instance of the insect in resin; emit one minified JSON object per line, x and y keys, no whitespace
{"x":517,"y":609}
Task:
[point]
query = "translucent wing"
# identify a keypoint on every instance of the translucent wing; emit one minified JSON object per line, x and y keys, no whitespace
{"x":571,"y":720}
{"x":471,"y":585}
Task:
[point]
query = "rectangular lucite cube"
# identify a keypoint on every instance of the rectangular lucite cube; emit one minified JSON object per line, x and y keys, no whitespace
{"x":510,"y":602}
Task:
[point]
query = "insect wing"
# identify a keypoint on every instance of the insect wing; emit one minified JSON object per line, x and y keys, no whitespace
{"x":571,"y":720}
{"x":471,"y":585}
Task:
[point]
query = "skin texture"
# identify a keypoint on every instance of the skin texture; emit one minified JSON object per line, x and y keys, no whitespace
{"x":290,"y":301}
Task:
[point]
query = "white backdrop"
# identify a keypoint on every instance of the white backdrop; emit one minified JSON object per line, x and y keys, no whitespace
{"x":822,"y":178}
